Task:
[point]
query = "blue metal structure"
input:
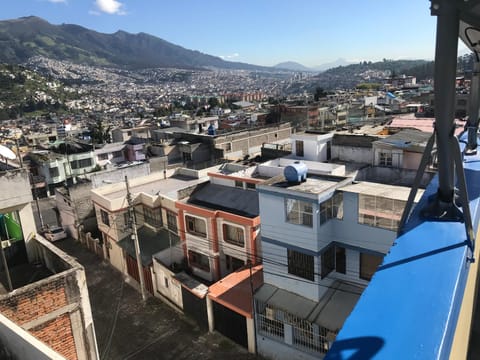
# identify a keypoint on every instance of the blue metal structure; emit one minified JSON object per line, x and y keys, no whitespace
{"x":410,"y":310}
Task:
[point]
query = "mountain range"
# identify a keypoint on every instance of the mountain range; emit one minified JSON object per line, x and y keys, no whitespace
{"x":26,"y":37}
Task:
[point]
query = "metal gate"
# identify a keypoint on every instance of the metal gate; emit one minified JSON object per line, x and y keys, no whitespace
{"x":230,"y":324}
{"x":132,"y":270}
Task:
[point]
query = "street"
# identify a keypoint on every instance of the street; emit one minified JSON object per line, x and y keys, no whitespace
{"x":128,"y":329}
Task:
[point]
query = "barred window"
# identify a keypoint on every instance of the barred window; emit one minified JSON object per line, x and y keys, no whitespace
{"x":103,"y":156}
{"x":152,"y":216}
{"x":299,"y":212}
{"x":233,"y":235}
{"x":301,"y":265}
{"x":196,"y":226}
{"x":198,"y":260}
{"x":53,"y":171}
{"x":332,"y":208}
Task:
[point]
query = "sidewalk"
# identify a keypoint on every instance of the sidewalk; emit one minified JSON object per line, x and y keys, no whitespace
{"x":128,"y":329}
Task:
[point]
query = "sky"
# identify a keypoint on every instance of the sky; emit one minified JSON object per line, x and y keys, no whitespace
{"x":260,"y":32}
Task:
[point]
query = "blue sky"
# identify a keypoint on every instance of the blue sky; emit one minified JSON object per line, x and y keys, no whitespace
{"x":262,"y":32}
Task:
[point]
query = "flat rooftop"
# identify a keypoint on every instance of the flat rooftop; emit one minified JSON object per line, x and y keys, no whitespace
{"x":330,"y":312}
{"x":314,"y":184}
{"x":153,"y":184}
{"x":382,"y":190}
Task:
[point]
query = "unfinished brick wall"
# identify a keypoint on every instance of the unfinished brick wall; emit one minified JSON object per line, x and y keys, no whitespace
{"x":58,"y":335}
{"x":32,"y":303}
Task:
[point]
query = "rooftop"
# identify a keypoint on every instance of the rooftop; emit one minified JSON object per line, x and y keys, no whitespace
{"x":234,"y":290}
{"x":153,"y":184}
{"x":330,"y":312}
{"x":382,"y":190}
{"x":149,"y":241}
{"x":315,"y":184}
{"x":231,"y":199}
{"x":410,"y":139}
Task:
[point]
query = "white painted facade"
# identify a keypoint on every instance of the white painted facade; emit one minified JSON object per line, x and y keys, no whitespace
{"x":315,"y":146}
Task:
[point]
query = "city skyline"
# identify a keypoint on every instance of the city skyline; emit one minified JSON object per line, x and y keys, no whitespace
{"x":265,"y":32}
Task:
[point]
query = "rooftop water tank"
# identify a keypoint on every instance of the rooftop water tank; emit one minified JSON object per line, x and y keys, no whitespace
{"x":211,"y":130}
{"x":296,"y":172}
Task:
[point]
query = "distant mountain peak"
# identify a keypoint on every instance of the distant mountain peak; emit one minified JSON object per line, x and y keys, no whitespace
{"x":292,"y":65}
{"x":32,"y":36}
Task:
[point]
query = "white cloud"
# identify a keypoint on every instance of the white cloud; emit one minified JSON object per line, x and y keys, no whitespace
{"x":231,"y":56}
{"x":111,"y":7}
{"x":58,"y":1}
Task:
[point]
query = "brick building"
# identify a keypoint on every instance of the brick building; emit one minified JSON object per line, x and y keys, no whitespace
{"x":43,"y":291}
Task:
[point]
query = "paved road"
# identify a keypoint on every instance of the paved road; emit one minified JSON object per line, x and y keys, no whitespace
{"x":128,"y":329}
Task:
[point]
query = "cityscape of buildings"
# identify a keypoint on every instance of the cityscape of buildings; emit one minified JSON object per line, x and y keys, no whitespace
{"x":254,"y":204}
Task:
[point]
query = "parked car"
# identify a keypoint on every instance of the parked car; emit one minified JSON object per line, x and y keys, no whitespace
{"x":55,"y":233}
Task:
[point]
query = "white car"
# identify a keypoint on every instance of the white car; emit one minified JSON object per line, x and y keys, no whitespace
{"x":55,"y":233}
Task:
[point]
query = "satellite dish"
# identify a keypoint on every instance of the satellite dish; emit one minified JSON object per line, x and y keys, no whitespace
{"x":7,"y":153}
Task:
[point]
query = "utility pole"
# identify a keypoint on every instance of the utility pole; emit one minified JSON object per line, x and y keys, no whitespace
{"x":35,"y":194}
{"x":133,"y":225}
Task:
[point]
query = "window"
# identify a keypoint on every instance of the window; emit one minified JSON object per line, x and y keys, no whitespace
{"x":117,"y":154}
{"x":53,"y":172}
{"x":333,"y":259}
{"x":251,"y":186}
{"x":126,"y":219}
{"x":239,"y":184}
{"x":171,"y":221}
{"x":299,"y":147}
{"x":105,"y":218}
{"x":152,"y":216}
{"x":186,"y":156}
{"x":233,"y":235}
{"x":198,"y":260}
{"x":102,"y":156}
{"x":233,"y":263}
{"x":301,"y":265}
{"x":386,"y":159}
{"x":165,"y":279}
{"x":196,"y":226}
{"x":228,"y":147}
{"x":84,"y":163}
{"x":299,"y":212}
{"x":379,"y":211}
{"x":369,"y":264}
{"x":332,"y":208}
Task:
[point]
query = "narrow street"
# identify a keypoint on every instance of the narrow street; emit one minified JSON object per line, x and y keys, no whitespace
{"x":128,"y":329}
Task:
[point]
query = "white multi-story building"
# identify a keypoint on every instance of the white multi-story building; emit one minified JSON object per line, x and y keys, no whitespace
{"x":322,"y":240}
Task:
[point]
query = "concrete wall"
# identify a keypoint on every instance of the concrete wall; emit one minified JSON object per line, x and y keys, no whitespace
{"x":14,"y":188}
{"x":276,"y":350}
{"x":102,"y":178}
{"x":362,"y":155}
{"x":165,"y":284}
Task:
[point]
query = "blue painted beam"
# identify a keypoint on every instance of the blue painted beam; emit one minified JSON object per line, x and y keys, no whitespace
{"x":410,"y":308}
